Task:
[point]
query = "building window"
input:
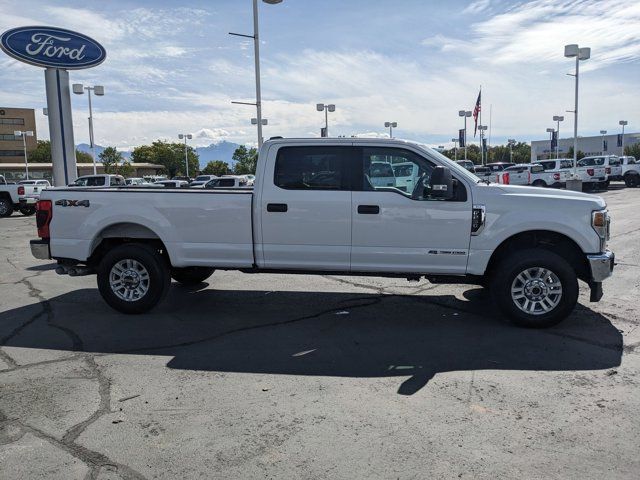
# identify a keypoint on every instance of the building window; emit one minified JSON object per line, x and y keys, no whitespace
{"x":9,"y":137}
{"x":11,"y":121}
{"x":11,"y":153}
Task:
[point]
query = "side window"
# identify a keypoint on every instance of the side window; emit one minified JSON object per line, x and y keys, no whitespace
{"x":536,"y":169}
{"x":95,"y":182}
{"x":226,"y":182}
{"x":401,"y":171}
{"x":313,"y":168}
{"x":566,"y":163}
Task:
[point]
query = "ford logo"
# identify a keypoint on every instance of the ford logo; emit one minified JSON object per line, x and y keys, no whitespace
{"x":52,"y":47}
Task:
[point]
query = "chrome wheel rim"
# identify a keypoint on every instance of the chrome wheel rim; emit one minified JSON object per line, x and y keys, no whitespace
{"x":129,"y":280}
{"x":536,"y":291}
{"x":4,"y":208}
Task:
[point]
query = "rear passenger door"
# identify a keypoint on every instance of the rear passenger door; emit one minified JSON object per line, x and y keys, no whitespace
{"x":305,"y":208}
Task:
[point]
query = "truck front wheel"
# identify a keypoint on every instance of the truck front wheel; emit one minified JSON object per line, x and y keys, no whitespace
{"x":535,"y":288}
{"x":133,"y":278}
{"x":27,"y":211}
{"x":191,"y":275}
{"x":632,"y":180}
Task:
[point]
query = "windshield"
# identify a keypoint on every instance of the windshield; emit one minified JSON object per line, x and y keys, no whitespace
{"x":26,"y":182}
{"x":379,"y":169}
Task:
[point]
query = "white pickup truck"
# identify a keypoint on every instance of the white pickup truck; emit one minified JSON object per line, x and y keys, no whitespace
{"x":314,"y":209}
{"x":17,"y":197}
{"x":532,"y":174}
{"x":630,"y":171}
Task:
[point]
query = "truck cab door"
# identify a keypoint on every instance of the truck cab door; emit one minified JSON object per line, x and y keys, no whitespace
{"x":305,"y":208}
{"x":407,"y":232}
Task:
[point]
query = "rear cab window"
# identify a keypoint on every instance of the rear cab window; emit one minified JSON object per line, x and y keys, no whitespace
{"x":314,"y":168}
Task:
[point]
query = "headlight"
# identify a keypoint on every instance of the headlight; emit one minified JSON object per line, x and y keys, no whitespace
{"x":601,"y":223}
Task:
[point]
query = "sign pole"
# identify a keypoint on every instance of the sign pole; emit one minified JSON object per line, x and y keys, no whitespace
{"x":63,"y":152}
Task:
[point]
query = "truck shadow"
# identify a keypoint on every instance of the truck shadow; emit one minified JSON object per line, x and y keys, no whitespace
{"x":318,"y":333}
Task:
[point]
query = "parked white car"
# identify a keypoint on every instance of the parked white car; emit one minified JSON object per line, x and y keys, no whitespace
{"x":406,"y":175}
{"x":630,"y":171}
{"x":104,"y":180}
{"x":227,"y":181}
{"x":611,"y":163}
{"x":172,"y":183}
{"x":137,"y":182}
{"x":529,"y":246}
{"x":532,"y":174}
{"x":202,"y":179}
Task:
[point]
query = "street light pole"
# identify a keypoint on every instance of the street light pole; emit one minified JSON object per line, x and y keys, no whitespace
{"x":327,"y":108}
{"x":256,"y":51}
{"x":186,"y":157}
{"x":455,"y":148}
{"x":511,"y":142}
{"x":24,"y":135}
{"x":391,"y":126}
{"x":482,"y":129}
{"x":623,"y":123}
{"x":79,"y":89}
{"x":584,"y":53}
{"x":465,"y":114}
{"x":558,"y":119}
{"x":603,"y":133}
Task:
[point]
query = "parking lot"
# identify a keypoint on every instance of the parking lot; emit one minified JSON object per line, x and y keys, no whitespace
{"x":285,"y":376}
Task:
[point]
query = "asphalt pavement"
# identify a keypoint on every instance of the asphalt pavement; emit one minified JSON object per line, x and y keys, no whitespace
{"x":295,"y":376}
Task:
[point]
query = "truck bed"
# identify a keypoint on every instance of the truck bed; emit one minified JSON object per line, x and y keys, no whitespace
{"x":197,"y":227}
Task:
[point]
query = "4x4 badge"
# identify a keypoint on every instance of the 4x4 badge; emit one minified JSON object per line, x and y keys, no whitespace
{"x":72,"y":203}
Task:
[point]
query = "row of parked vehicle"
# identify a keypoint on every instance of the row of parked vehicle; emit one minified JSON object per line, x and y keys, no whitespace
{"x":23,"y":195}
{"x":596,"y":172}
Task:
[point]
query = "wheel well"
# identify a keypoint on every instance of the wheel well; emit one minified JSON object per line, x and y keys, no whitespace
{"x":5,"y":195}
{"x":553,"y":241}
{"x":121,"y":233}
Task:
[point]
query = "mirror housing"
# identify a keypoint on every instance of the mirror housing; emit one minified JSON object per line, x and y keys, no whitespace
{"x":441,"y":184}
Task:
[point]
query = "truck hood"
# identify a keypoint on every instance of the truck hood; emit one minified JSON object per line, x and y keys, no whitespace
{"x":594,"y":201}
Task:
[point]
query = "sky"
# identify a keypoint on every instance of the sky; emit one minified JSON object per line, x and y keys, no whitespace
{"x":173,"y":68}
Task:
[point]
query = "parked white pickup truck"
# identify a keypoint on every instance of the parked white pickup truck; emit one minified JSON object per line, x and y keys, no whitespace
{"x":17,"y":197}
{"x":314,"y":209}
{"x":532,"y":174}
{"x":630,"y":171}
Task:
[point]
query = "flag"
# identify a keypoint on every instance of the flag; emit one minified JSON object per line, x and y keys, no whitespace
{"x":604,"y":145}
{"x":554,"y":140}
{"x":619,"y":140}
{"x":461,"y":138}
{"x":476,"y":112}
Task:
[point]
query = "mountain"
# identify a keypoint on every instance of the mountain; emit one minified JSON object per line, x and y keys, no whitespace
{"x":86,"y":148}
{"x":217,"y":151}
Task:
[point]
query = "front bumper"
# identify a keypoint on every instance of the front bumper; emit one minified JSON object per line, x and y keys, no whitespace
{"x":601,"y":265}
{"x":40,"y":249}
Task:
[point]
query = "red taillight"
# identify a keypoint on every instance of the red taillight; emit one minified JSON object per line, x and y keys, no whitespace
{"x":590,"y":172}
{"x":20,"y":190}
{"x":556,"y":176}
{"x":44,"y":213}
{"x":505,"y":178}
{"x":608,"y":170}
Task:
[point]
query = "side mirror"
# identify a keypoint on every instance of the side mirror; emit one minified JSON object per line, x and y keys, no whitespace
{"x":441,"y":184}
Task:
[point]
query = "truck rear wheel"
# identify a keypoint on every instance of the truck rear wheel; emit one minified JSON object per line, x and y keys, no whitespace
{"x":27,"y":211}
{"x":6,"y":207}
{"x":191,"y":275}
{"x":535,"y":288}
{"x":539,"y":183}
{"x":632,"y":180}
{"x":133,"y":278}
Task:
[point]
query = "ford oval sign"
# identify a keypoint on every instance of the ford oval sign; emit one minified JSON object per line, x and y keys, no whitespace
{"x":52,"y":47}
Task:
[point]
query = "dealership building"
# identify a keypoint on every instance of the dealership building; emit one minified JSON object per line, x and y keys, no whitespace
{"x":12,"y":161}
{"x":595,"y":145}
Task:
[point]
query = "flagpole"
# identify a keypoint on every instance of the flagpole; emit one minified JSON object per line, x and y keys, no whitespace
{"x":480,"y":117}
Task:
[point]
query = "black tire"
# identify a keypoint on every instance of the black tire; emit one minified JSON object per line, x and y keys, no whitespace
{"x":191,"y":275}
{"x":632,"y":181}
{"x":27,"y":211}
{"x":156,"y":286}
{"x":539,"y":183}
{"x":606,"y":184}
{"x":6,"y":207}
{"x":505,"y":276}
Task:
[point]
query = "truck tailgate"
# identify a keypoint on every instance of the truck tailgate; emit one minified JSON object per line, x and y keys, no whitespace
{"x":197,"y":227}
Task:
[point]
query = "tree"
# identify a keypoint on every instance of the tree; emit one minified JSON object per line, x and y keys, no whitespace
{"x":633,"y":150}
{"x":111,"y":159}
{"x":246,"y":160}
{"x":578,"y":156}
{"x":83,"y":157}
{"x":216,"y":167}
{"x":169,"y":155}
{"x":42,"y":152}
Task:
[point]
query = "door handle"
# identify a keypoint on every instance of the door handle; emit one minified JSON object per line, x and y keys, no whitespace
{"x":368,"y":209}
{"x":276,"y":207}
